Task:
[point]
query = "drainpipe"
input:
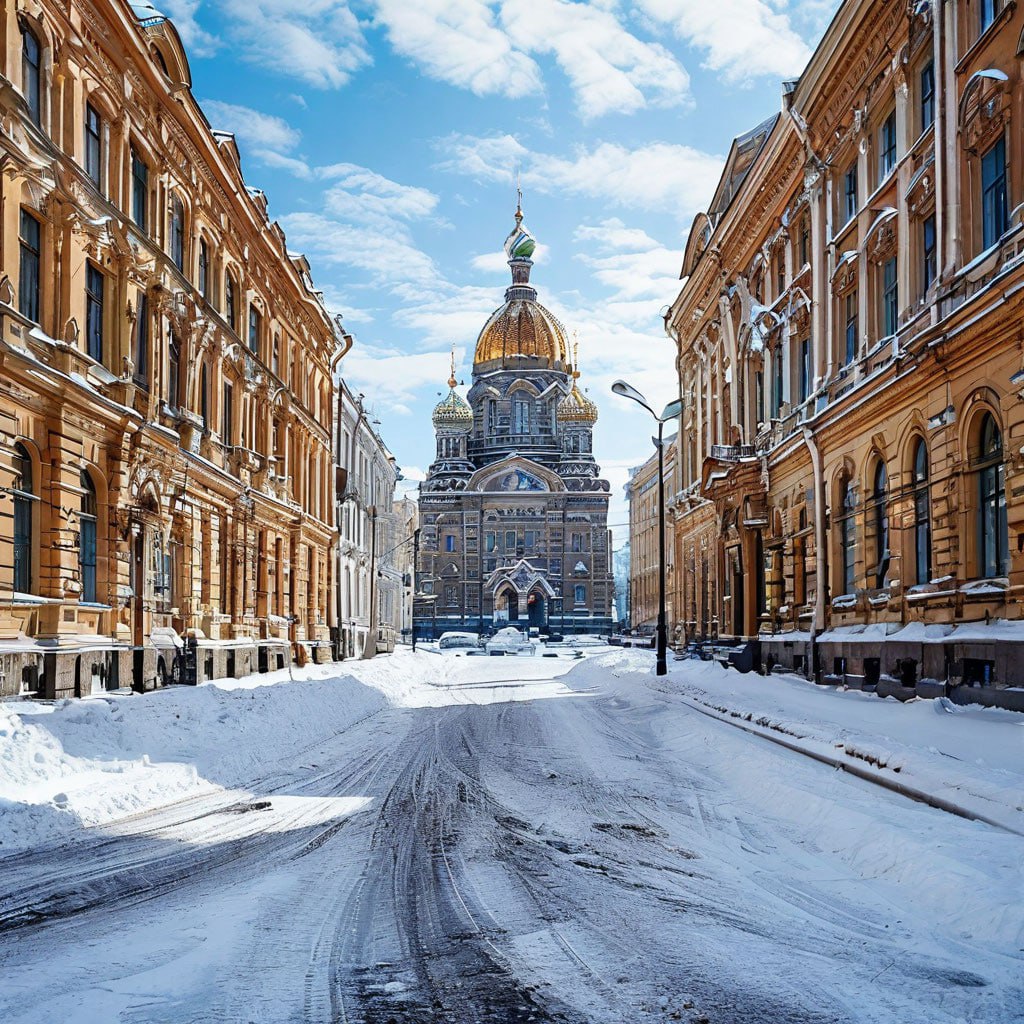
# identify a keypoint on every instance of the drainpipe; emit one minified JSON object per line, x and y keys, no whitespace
{"x":820,"y":544}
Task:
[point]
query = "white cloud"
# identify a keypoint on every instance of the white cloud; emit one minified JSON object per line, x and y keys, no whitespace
{"x":743,"y":38}
{"x":317,"y":41}
{"x":463,"y":43}
{"x":198,"y":42}
{"x":609,"y":68}
{"x":365,"y":196}
{"x":251,"y":127}
{"x":391,"y":377}
{"x":658,"y":176}
{"x":458,"y":41}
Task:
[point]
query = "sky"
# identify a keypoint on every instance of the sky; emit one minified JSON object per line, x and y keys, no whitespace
{"x":388,"y":135}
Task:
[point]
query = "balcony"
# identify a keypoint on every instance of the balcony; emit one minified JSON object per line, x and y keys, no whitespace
{"x":733,"y":452}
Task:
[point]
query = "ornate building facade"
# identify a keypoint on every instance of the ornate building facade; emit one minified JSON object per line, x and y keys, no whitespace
{"x":513,"y":512}
{"x":851,"y":359}
{"x":165,"y":377}
{"x":369,"y":591}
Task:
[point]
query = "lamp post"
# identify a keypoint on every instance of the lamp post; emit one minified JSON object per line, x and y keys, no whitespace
{"x":671,"y":412}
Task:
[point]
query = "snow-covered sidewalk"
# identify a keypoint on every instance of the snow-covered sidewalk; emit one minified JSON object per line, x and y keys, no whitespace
{"x":970,"y":758}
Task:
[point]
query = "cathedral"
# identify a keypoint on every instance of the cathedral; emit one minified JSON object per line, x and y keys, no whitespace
{"x":513,"y":511}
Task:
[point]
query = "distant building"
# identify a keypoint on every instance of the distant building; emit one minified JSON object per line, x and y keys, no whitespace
{"x":407,"y":520}
{"x":849,"y":348}
{"x":644,"y":554}
{"x":513,"y":512}
{"x":620,"y":572}
{"x":369,"y":591}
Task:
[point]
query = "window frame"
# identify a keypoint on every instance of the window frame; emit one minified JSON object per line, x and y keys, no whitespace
{"x":139,"y":190}
{"x":850,"y":200}
{"x":203,"y":282}
{"x":95,"y":297}
{"x":177,"y":234}
{"x":993,"y":534}
{"x":87,"y":539}
{"x":929,"y":252}
{"x":140,"y":341}
{"x":29,"y":267}
{"x":994,"y":195}
{"x":32,"y":74}
{"x":926,"y":95}
{"x":888,"y":147}
{"x":880,"y":514}
{"x":890,"y":297}
{"x":25,"y":502}
{"x":852,"y":317}
{"x":255,"y":328}
{"x":173,"y":371}
{"x":922,"y":514}
{"x":848,"y":538}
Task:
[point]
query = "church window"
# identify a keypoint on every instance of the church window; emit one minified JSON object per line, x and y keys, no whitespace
{"x":489,"y":541}
{"x":492,"y":417}
{"x":580,"y":594}
{"x":510,"y":540}
{"x":449,"y":542}
{"x":556,"y":567}
{"x":530,"y":540}
{"x":451,"y":596}
{"x":521,"y":416}
{"x":576,"y":542}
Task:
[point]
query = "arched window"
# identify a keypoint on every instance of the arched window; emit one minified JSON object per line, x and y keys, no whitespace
{"x":204,"y":268}
{"x":922,"y":515}
{"x":32,"y":74}
{"x":880,"y":515}
{"x":178,"y":234}
{"x":87,"y":539}
{"x":848,"y":538}
{"x":24,"y":508}
{"x":993,"y":541}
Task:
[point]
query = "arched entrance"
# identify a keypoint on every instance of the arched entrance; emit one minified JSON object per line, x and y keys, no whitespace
{"x":512,"y":605}
{"x":537,"y":609}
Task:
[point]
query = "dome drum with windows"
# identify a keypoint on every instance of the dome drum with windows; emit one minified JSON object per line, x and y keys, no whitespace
{"x":521,"y":333}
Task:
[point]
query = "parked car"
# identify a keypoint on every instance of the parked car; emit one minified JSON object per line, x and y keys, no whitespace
{"x":458,"y":642}
{"x":510,"y":641}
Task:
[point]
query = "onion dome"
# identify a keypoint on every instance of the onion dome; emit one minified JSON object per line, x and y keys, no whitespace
{"x":452,"y":410}
{"x":522,"y":328}
{"x":576,"y":408}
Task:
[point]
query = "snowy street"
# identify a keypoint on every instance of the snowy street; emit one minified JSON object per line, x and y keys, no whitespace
{"x":452,"y":839}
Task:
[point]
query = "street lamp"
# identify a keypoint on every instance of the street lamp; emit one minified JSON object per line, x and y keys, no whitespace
{"x":671,"y":412}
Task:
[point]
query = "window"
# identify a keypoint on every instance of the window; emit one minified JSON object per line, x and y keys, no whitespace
{"x":28,"y":280}
{"x":230,"y":302}
{"x":142,"y":341}
{"x":178,"y":234}
{"x":887,"y":147}
{"x":451,"y":596}
{"x":521,"y":416}
{"x":31,"y":74}
{"x":922,"y":515}
{"x":492,"y":417}
{"x":510,"y":540}
{"x":530,"y":540}
{"x":489,"y":542}
{"x":87,"y":539}
{"x":848,"y":539}
{"x":580,"y":594}
{"x":805,"y":369}
{"x":275,"y":359}
{"x":140,"y":191}
{"x":204,"y":268}
{"x":851,"y":327}
{"x":94,"y":282}
{"x":927,"y":81}
{"x":929,"y":264}
{"x":881,"y":524}
{"x":988,"y":9}
{"x":993,"y":194}
{"x":850,"y":192}
{"x":993,"y":541}
{"x":805,"y":241}
{"x":576,"y":542}
{"x":890,"y":297}
{"x":173,"y":372}
{"x":227,"y":414}
{"x":778,"y":381}
{"x":780,"y":273}
{"x":254,"y":329}
{"x":759,"y":396}
{"x":93,"y":144}
{"x":449,"y":542}
{"x":24,"y":501}
{"x":204,"y":397}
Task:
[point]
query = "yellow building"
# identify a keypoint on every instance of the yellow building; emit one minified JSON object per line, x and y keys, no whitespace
{"x":165,"y":377}
{"x":849,"y":350}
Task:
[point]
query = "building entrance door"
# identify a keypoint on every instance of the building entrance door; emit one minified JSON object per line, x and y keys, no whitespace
{"x":512,"y":604}
{"x":537,"y":610}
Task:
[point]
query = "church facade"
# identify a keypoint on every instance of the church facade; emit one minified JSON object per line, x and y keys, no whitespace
{"x":513,"y":511}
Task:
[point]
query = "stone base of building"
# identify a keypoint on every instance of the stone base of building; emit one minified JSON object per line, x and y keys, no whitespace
{"x":970,"y":671}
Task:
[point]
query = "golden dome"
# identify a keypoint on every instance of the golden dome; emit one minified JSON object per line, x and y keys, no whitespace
{"x":576,"y":408}
{"x":452,"y":411}
{"x":521,"y":328}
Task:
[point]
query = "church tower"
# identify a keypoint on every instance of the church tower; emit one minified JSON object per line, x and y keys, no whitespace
{"x":513,"y":511}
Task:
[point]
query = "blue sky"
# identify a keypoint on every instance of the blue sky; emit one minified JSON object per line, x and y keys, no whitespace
{"x":387,"y":135}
